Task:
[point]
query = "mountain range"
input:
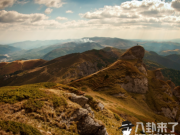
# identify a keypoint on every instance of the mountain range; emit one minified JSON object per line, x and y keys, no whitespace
{"x":87,"y":93}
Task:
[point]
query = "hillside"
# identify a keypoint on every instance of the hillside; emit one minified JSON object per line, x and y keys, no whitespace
{"x":96,"y":104}
{"x":170,"y":52}
{"x":68,"y":50}
{"x":164,"y":61}
{"x":143,"y":93}
{"x":174,"y":57}
{"x":65,"y":68}
{"x":5,"y":49}
{"x":7,"y":68}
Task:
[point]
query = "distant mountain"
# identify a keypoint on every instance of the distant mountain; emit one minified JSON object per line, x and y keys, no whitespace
{"x":65,"y":68}
{"x":5,"y":49}
{"x":114,"y":42}
{"x":150,"y":45}
{"x":26,"y":45}
{"x":171,"y":74}
{"x":174,"y":57}
{"x":169,"y":52}
{"x":38,"y":53}
{"x":7,"y":68}
{"x":68,"y":50}
{"x":159,"y":46}
{"x":166,"y":62}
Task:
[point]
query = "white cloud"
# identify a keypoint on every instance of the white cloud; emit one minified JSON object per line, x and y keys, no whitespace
{"x":145,"y":13}
{"x":22,"y":2}
{"x":50,"y":3}
{"x":15,"y":17}
{"x":69,"y":11}
{"x":176,"y":4}
{"x":61,"y":18}
{"x":48,"y":10}
{"x":6,"y":3}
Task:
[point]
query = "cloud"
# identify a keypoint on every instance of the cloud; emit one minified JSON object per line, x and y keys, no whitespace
{"x":22,"y":2}
{"x":61,"y":18}
{"x":176,"y":4}
{"x":48,"y":11}
{"x":15,"y":17}
{"x":69,"y":11}
{"x":50,"y":3}
{"x":145,"y":13}
{"x":6,"y":3}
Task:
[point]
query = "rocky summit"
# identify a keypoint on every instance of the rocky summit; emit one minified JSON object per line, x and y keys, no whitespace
{"x":136,"y":52}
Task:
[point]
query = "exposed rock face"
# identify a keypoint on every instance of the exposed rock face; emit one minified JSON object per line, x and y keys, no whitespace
{"x":81,"y":100}
{"x":172,"y":85}
{"x":168,"y":113}
{"x":136,"y":52}
{"x":159,"y":74}
{"x":87,"y":125}
{"x":141,"y":67}
{"x":136,"y":85}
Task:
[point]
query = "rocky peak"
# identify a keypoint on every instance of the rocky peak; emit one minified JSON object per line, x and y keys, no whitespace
{"x":136,"y":52}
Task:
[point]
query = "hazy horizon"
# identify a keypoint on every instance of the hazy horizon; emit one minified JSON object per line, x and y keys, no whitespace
{"x":22,"y":20}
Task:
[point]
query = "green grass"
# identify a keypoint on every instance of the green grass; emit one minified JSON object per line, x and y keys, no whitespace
{"x":117,"y":117}
{"x":19,"y":94}
{"x":18,"y":128}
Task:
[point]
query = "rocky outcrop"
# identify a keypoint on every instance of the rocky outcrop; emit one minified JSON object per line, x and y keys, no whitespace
{"x":87,"y":125}
{"x":81,"y":100}
{"x":169,"y":113}
{"x":136,"y":85}
{"x":85,"y":117}
{"x":159,"y":74}
{"x":136,"y":52}
{"x":172,"y":85}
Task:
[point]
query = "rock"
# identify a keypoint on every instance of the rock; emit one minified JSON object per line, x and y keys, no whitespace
{"x":168,"y":113}
{"x":136,"y":52}
{"x":88,"y":125}
{"x":172,"y":85}
{"x":141,"y":67}
{"x":159,"y":74}
{"x":100,"y":106}
{"x":89,"y":109}
{"x":81,"y":100}
{"x":136,"y":85}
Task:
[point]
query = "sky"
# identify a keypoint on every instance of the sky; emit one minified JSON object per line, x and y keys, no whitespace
{"x":22,"y":20}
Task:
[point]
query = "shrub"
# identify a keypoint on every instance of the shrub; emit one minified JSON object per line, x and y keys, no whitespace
{"x":19,"y":94}
{"x":33,"y":105}
{"x":58,"y":101}
{"x":84,"y":88}
{"x":18,"y":128}
{"x":117,"y":117}
{"x":89,"y":97}
{"x":49,"y":84}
